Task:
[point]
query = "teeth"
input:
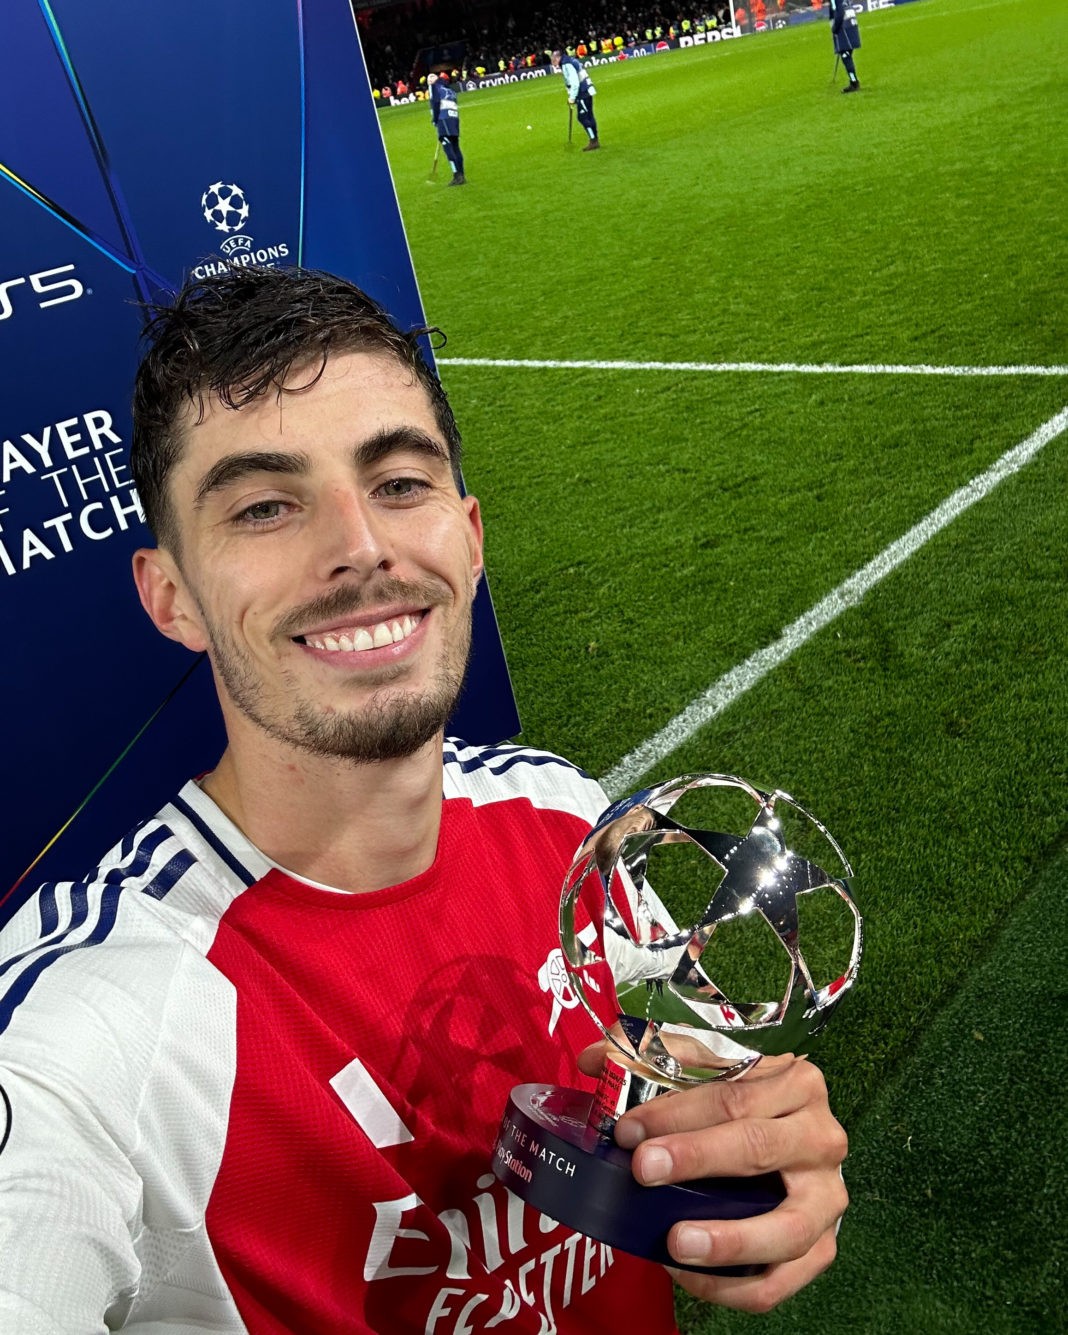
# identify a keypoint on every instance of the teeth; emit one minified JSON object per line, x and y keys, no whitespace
{"x":366,"y":637}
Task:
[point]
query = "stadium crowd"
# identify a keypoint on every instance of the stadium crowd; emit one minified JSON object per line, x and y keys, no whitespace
{"x":403,"y":43}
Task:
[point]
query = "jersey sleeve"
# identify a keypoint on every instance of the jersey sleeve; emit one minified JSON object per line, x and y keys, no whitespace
{"x":70,"y":1198}
{"x":107,"y":1143}
{"x":70,"y":1194}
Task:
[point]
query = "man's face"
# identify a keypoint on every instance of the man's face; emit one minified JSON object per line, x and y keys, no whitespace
{"x":328,"y":562}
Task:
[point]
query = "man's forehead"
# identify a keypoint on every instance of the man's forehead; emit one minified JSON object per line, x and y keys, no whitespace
{"x":347,"y":396}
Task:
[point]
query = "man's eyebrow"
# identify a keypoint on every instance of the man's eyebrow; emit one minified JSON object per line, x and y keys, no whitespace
{"x":236,"y":466}
{"x":390,"y":440}
{"x":393,"y":440}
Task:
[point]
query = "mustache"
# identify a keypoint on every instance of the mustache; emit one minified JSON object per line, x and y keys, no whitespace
{"x":349,"y":598}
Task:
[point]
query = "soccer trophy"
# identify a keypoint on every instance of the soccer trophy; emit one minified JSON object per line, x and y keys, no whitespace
{"x":667,"y":922}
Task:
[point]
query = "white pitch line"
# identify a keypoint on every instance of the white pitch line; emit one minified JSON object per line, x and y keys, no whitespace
{"x":794,"y":368}
{"x":624,"y":775}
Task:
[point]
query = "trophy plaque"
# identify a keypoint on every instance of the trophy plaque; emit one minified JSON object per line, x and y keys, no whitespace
{"x":669,"y":924}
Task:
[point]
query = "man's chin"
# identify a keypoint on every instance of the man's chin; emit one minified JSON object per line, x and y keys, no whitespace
{"x":385,"y":730}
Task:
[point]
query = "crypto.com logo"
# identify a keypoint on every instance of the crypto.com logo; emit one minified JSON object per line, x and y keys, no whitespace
{"x":45,"y":283}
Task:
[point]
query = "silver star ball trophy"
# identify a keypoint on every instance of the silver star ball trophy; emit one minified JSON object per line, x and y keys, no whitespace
{"x":665,"y":927}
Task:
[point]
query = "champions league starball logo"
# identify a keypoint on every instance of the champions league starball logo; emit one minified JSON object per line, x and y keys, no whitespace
{"x":717,"y":916}
{"x":225,"y":207}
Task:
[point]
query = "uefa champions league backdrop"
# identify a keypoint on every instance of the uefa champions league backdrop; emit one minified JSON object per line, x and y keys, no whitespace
{"x":141,"y":141}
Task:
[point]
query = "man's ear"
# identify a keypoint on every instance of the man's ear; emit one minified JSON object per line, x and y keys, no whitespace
{"x":474,"y":516}
{"x":166,"y":598}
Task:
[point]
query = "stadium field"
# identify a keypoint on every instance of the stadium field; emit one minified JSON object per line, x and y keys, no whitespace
{"x":765,"y":404}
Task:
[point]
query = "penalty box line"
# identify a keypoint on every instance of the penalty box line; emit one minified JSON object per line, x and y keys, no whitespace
{"x":792,"y":368}
{"x":623,"y":776}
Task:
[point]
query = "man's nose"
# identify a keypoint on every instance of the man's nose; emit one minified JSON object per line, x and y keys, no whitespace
{"x":354,"y":537}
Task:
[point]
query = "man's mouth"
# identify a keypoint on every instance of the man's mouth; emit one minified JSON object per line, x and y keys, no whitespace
{"x":357,"y":639}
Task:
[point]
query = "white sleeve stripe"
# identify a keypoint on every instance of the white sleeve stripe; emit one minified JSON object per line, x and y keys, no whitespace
{"x":372,"y":1111}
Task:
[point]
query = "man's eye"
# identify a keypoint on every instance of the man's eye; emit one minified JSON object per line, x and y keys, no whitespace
{"x":401,"y":488}
{"x":260,"y":513}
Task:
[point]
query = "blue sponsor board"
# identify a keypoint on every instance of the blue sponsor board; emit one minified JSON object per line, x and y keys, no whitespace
{"x":142,"y":143}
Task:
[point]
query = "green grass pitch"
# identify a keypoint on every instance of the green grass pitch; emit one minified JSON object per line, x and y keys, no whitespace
{"x":650,"y":530}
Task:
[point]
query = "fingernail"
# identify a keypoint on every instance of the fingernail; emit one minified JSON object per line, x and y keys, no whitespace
{"x":629,"y":1133}
{"x":691,"y":1245}
{"x":655,"y":1166}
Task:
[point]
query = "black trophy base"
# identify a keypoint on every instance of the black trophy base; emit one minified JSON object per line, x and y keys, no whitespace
{"x":549,"y":1157}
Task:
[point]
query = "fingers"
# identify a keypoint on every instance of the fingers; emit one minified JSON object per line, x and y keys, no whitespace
{"x":744,"y":1148}
{"x":778,"y":1122}
{"x":760,"y":1293}
{"x":777,"y":1088}
{"x":774,"y":1119}
{"x":591,"y":1059}
{"x":815,"y":1202}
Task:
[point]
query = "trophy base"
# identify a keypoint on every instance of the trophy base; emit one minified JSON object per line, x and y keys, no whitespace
{"x":548,"y":1156}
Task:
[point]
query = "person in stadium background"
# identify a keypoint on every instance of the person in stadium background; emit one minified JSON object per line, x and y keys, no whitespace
{"x":845,"y":33}
{"x":445,"y":115}
{"x":580,"y":93}
{"x":251,"y":1068}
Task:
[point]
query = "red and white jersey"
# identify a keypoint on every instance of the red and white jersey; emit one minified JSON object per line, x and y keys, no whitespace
{"x":234,"y":1101}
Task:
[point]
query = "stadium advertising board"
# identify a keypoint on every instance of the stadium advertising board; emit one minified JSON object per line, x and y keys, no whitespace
{"x":142,"y":143}
{"x":746,"y":24}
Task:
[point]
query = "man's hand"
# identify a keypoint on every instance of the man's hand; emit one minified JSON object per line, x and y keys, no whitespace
{"x":776,"y":1117}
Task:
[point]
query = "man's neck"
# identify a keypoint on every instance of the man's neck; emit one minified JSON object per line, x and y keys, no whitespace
{"x":353,"y":827}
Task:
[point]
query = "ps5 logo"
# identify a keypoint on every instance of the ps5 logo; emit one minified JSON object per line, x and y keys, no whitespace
{"x":46,"y":283}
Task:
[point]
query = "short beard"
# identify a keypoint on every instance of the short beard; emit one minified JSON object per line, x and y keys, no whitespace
{"x":386,"y":728}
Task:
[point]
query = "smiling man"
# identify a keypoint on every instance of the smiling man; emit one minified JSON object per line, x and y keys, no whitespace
{"x":252,"y":1066}
{"x":323,"y":555}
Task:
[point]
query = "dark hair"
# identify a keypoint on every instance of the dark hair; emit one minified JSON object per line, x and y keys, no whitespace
{"x":238,"y":336}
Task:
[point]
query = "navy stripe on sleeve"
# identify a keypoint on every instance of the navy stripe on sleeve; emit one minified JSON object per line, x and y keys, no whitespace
{"x":210,"y":837}
{"x":498,"y":760}
{"x":106,"y":912}
{"x":84,"y":906}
